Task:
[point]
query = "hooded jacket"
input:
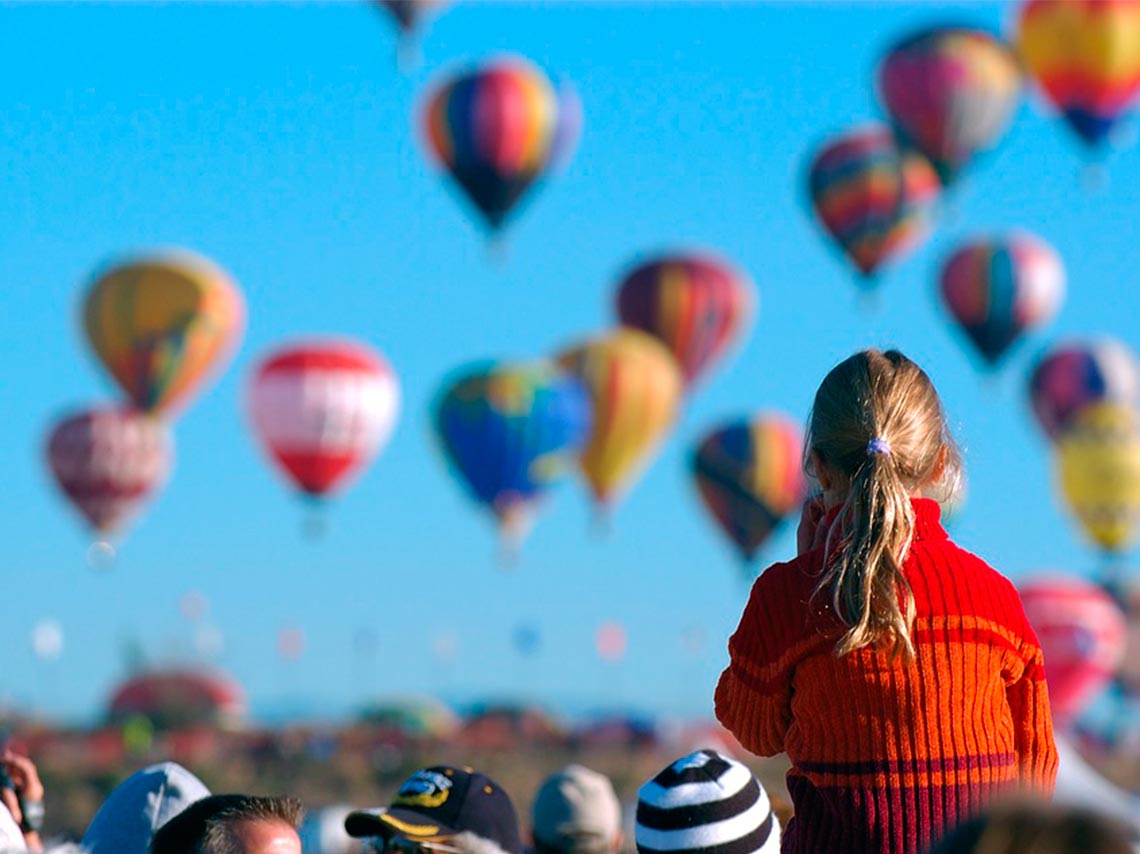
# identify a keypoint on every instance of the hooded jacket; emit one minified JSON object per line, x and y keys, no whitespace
{"x":139,"y":806}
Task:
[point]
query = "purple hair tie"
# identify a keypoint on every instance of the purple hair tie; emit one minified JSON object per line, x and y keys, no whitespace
{"x":879,"y":446}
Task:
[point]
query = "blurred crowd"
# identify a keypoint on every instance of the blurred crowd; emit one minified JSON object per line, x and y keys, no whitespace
{"x":703,"y":803}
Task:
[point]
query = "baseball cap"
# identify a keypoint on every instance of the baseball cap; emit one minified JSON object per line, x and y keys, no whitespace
{"x":576,"y":810}
{"x":440,"y":802}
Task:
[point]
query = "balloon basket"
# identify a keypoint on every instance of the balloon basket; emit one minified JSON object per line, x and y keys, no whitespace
{"x":498,"y":250}
{"x":409,"y":57}
{"x":314,"y":525}
{"x":1094,"y":178}
{"x":602,"y":524}
{"x":101,"y":556}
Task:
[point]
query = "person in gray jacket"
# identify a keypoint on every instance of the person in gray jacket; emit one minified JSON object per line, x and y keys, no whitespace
{"x":140,"y":805}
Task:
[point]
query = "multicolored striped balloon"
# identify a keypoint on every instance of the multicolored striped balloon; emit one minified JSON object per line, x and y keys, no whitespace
{"x":511,"y":432}
{"x":1098,"y":464}
{"x":696,"y":305}
{"x":1085,"y":56}
{"x":951,"y":93}
{"x":109,"y":462}
{"x":1078,"y":374}
{"x":1082,"y":633}
{"x":635,"y":385}
{"x":494,"y":128}
{"x":161,"y":324}
{"x":997,"y":288}
{"x":749,"y":473}
{"x":873,"y":198}
{"x":322,"y":410}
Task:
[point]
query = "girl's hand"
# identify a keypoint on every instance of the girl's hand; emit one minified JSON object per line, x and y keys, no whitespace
{"x":811,"y":534}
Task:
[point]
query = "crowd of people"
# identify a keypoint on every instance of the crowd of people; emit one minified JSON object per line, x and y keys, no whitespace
{"x":703,"y":803}
{"x":896,"y":670}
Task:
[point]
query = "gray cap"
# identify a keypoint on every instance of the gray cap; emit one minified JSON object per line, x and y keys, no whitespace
{"x":577,"y":811}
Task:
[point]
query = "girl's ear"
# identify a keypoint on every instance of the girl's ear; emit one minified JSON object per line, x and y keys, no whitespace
{"x":820,"y":470}
{"x":940,"y":464}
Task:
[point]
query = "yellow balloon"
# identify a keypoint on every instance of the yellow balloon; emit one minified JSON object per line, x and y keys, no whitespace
{"x":161,"y":324}
{"x":1099,"y":472}
{"x":635,"y":384}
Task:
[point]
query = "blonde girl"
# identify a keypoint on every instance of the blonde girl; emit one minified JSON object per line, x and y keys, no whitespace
{"x":895,"y":669}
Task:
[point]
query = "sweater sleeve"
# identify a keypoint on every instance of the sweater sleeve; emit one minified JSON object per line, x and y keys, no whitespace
{"x":753,"y":696}
{"x":1028,"y":699}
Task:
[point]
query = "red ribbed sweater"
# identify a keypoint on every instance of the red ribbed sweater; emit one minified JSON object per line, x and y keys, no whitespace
{"x":886,"y":756}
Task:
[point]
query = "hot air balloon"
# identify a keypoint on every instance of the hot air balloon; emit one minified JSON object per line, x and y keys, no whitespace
{"x":696,"y":305}
{"x":510,"y":432}
{"x":408,"y":14}
{"x":1081,"y":630}
{"x":951,"y":93}
{"x":108,"y":462}
{"x":611,"y":642}
{"x":1099,"y":474}
{"x":1079,"y":373}
{"x":1085,"y":56}
{"x":998,"y":288}
{"x":635,"y":385}
{"x":749,"y":473}
{"x":874,"y":199}
{"x":323,"y":410}
{"x":567,"y":127}
{"x":160,"y":324}
{"x":493,"y":129}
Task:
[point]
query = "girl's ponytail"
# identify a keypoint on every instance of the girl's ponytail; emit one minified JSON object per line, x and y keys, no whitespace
{"x":877,"y":422}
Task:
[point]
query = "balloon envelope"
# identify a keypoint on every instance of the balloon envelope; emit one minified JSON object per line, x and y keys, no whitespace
{"x":950,"y":93}
{"x":749,"y":473}
{"x":635,"y":385}
{"x":510,"y":432}
{"x":1099,"y":473}
{"x":1080,"y":373}
{"x":1081,"y":630}
{"x":1085,"y":56}
{"x":323,"y":410}
{"x":493,"y":129}
{"x":873,"y":198}
{"x":409,"y":13}
{"x":998,"y":288}
{"x":160,"y":324}
{"x":108,"y":462}
{"x":696,"y":305}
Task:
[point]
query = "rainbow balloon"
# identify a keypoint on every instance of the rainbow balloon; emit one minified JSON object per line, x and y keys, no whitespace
{"x":1085,"y":56}
{"x":996,"y":289}
{"x":950,"y":93}
{"x":161,"y":324}
{"x":510,"y":432}
{"x":494,"y":130}
{"x":635,"y":385}
{"x":1078,"y":374}
{"x":874,"y":199}
{"x":696,"y":305}
{"x":749,"y":474}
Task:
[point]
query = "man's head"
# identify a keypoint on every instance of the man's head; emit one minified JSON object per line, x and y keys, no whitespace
{"x":576,"y":812}
{"x":442,"y":810}
{"x":232,"y":824}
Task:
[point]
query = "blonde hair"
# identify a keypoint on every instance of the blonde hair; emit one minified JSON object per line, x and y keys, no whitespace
{"x":877,"y":421}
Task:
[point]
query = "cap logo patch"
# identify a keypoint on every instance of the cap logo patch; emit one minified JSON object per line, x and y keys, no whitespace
{"x":424,"y":789}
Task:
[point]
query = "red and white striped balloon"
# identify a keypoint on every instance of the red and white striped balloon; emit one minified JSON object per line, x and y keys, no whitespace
{"x":108,"y":462}
{"x":1082,"y":633}
{"x":323,"y":410}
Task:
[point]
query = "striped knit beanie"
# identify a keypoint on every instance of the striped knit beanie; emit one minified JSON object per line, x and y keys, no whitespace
{"x":705,"y":803}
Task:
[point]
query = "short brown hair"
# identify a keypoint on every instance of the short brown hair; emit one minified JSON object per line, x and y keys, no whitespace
{"x":1037,"y":828}
{"x":206,"y":826}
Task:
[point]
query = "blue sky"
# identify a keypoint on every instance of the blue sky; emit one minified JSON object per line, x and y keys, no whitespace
{"x":278,"y":139}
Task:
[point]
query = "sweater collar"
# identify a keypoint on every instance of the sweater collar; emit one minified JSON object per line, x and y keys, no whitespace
{"x":927,"y":519}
